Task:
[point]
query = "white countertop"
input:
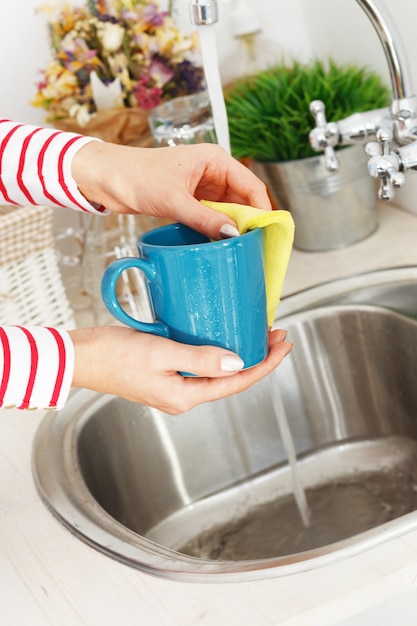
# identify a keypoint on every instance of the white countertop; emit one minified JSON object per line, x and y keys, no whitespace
{"x":393,"y":244}
{"x":50,"y":578}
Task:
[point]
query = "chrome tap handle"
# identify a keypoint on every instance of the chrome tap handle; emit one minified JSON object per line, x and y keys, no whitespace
{"x":324,"y":136}
{"x":384,"y":164}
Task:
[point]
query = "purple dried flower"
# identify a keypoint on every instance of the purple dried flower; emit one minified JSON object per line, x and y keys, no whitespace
{"x":160,"y":72}
{"x":188,"y":78}
{"x":153,"y":16}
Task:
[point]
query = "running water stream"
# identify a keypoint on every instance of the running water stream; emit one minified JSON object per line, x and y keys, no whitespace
{"x":207,"y":37}
{"x":214,"y":87}
{"x":288,"y":443}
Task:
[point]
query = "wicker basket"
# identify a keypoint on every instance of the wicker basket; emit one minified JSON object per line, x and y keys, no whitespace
{"x":31,"y":287}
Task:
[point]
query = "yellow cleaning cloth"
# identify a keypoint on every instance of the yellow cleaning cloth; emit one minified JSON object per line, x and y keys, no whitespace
{"x":278,"y":236}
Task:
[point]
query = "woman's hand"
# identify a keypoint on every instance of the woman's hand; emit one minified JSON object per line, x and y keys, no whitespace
{"x":167,"y":182}
{"x":143,"y":368}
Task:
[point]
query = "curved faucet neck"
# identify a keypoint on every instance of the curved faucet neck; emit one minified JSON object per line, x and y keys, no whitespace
{"x":392,"y":44}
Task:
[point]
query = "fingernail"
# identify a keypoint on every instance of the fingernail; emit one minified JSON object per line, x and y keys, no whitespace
{"x":231,"y":363}
{"x":228,"y":230}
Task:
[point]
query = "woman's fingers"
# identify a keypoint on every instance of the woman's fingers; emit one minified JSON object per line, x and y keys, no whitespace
{"x":198,"y":390}
{"x":145,"y":368}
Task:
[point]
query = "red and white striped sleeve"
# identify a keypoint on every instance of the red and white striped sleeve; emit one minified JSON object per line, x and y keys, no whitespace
{"x":36,"y":367}
{"x":35,"y":167}
{"x":37,"y":363}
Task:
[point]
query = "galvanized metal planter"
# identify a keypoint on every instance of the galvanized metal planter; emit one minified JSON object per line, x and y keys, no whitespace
{"x":330,"y":209}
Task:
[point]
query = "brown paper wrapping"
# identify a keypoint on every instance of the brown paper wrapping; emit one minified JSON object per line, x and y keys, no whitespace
{"x":121,"y":126}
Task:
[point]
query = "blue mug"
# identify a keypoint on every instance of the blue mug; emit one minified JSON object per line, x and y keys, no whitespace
{"x":202,"y":292}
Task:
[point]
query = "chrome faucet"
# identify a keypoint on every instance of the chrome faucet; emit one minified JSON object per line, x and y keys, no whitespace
{"x":389,"y":134}
{"x":393,"y":130}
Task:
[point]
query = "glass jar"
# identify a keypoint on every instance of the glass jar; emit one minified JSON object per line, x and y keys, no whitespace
{"x":109,"y":237}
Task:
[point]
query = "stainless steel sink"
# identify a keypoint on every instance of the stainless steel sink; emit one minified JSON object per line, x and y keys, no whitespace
{"x":207,"y":495}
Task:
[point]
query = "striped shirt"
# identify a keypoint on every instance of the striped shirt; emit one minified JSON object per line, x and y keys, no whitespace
{"x":37,"y":363}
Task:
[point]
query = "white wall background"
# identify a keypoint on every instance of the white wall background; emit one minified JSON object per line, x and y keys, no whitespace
{"x":299,"y":28}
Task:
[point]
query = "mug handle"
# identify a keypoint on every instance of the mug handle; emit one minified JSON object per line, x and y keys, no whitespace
{"x":109,"y":294}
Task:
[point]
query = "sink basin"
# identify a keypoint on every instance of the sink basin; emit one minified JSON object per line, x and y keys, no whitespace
{"x":208,"y":495}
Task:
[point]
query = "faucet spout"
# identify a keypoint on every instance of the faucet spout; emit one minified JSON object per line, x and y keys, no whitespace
{"x":392,"y":44}
{"x":204,"y":12}
{"x":391,"y":132}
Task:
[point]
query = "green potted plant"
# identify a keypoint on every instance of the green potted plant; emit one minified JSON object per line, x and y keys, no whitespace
{"x":269,"y":121}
